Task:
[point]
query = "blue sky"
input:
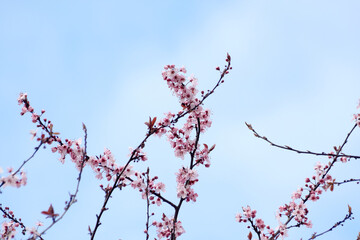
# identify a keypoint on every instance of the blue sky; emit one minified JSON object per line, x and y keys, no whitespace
{"x":295,"y":78}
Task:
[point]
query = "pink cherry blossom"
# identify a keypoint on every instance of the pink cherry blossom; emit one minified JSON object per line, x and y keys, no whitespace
{"x":22,"y":97}
{"x":283,"y":230}
{"x":297,"y":194}
{"x":260,"y":224}
{"x":8,"y":230}
{"x":33,"y":232}
{"x":166,"y":227}
{"x":13,"y":180}
{"x":238,"y":217}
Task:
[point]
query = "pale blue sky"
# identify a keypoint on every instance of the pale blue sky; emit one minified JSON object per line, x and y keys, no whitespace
{"x":295,"y":78}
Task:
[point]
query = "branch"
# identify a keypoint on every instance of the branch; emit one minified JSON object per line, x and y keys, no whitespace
{"x":18,"y":170}
{"x":337,"y":155}
{"x":9,"y":214}
{"x":152,"y":130}
{"x":347,"y":216}
{"x":158,"y":195}
{"x":147,"y":204}
{"x":192,"y":154}
{"x":52,"y":137}
{"x":299,"y":151}
{"x":348,"y":181}
{"x":118,"y":177}
{"x":72,"y":199}
{"x":221,"y":80}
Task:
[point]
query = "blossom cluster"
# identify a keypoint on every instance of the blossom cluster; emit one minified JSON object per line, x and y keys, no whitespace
{"x":47,"y":126}
{"x":71,"y":148}
{"x":8,"y":230}
{"x":180,"y":139}
{"x":186,"y":92}
{"x":148,"y":186}
{"x":202,"y":156}
{"x":176,"y":79}
{"x":296,"y":208}
{"x":103,"y":165}
{"x":13,"y":180}
{"x":356,"y":117}
{"x":22,"y":99}
{"x":249,"y":215}
{"x":186,"y":178}
{"x":183,"y":140}
{"x":167,"y":227}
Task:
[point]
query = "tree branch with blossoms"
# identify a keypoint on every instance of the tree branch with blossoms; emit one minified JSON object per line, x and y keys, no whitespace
{"x":185,"y":141}
{"x":72,"y":199}
{"x":192,"y":107}
{"x":77,"y":153}
{"x":12,"y":175}
{"x":298,"y":211}
{"x":9,"y":229}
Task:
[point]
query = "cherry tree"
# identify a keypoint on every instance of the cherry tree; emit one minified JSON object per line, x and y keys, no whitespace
{"x":182,"y":130}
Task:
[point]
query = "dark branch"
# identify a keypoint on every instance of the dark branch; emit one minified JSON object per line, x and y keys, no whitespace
{"x":285,"y":147}
{"x":339,"y":223}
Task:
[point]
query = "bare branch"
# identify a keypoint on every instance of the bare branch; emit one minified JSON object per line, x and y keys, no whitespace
{"x":285,"y":147}
{"x":348,"y":181}
{"x":339,"y":223}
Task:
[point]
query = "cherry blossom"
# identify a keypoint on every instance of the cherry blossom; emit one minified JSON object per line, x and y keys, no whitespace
{"x":33,"y":232}
{"x":8,"y":230}
{"x":13,"y":179}
{"x":166,"y":227}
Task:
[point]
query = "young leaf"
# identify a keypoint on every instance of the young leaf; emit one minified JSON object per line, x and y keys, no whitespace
{"x":250,"y":236}
{"x":50,"y":212}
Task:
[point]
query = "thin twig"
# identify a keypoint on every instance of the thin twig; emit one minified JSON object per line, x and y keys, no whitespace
{"x":147,"y":203}
{"x":348,"y":181}
{"x":285,"y":147}
{"x":72,"y":199}
{"x":157,"y":195}
{"x":32,"y":155}
{"x":347,"y":216}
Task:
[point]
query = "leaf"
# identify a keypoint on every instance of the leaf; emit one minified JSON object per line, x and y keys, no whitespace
{"x":50,"y":212}
{"x":249,"y":126}
{"x":228,"y":56}
{"x":151,"y":123}
{"x":350,"y":212}
{"x":250,"y":236}
{"x":212,"y":147}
